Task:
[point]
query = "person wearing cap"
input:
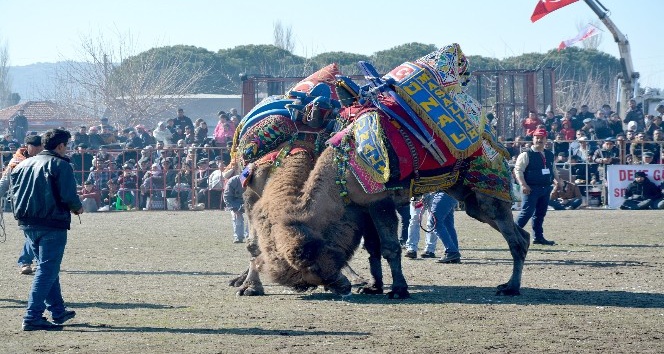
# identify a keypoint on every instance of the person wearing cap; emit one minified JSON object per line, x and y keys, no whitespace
{"x":33,"y":146}
{"x":90,"y":197}
{"x":647,"y":158}
{"x":642,"y":194}
{"x":535,"y":172}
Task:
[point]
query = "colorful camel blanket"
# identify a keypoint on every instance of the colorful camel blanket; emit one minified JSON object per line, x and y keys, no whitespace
{"x":270,"y":124}
{"x":383,"y":155}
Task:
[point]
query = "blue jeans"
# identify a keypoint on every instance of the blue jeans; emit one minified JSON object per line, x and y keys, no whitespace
{"x":240,"y":229}
{"x":26,"y":256}
{"x":48,"y":246}
{"x":534,"y":206}
{"x":442,"y":212}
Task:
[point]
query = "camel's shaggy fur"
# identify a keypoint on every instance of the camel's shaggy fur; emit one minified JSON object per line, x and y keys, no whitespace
{"x":299,"y":260}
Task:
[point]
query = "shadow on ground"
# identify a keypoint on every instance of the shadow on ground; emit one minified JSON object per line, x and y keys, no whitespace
{"x":435,"y":294}
{"x":253,"y":331}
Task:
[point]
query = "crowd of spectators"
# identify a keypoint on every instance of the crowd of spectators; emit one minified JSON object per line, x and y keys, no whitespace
{"x":585,"y":143}
{"x":177,"y":165}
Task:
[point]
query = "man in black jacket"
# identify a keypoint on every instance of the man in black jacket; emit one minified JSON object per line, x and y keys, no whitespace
{"x":43,"y":190}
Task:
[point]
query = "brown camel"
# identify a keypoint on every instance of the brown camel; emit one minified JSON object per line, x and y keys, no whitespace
{"x":379,"y":140}
{"x":290,"y":262}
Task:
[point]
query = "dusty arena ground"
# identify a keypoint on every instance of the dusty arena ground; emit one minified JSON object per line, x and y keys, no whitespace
{"x":155,"y":282}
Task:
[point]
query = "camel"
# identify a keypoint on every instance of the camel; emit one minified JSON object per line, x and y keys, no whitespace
{"x":337,"y":194}
{"x":256,"y":135}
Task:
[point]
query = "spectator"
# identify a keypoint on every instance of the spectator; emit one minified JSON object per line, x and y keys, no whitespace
{"x":607,"y":155}
{"x":183,"y":121}
{"x":550,"y":119}
{"x":200,"y":133}
{"x":179,"y":135}
{"x":128,"y":187}
{"x":145,"y":137}
{"x":560,"y":145}
{"x":188,"y":135}
{"x":635,"y":114}
{"x":33,"y":146}
{"x":441,"y":222}
{"x":90,"y":197}
{"x":637,"y":147}
{"x":82,"y":163}
{"x":95,"y":139}
{"x":568,"y":132}
{"x":585,"y":113}
{"x":212,"y":195}
{"x":601,"y":126}
{"x":107,"y":135}
{"x":81,"y":137}
{"x":615,"y":125}
{"x":153,"y":188}
{"x":162,"y":134}
{"x":642,"y":194}
{"x":553,"y":129}
{"x":100,"y":175}
{"x":530,"y":123}
{"x":416,"y":208}
{"x":658,"y":142}
{"x":234,"y":114}
{"x":655,"y":124}
{"x":182,"y":189}
{"x":129,"y":155}
{"x":233,"y":199}
{"x":565,"y":196}
{"x":109,"y":196}
{"x":224,"y":130}
{"x":647,"y":158}
{"x":18,"y":125}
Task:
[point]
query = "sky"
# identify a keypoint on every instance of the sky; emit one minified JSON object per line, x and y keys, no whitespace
{"x":50,"y":31}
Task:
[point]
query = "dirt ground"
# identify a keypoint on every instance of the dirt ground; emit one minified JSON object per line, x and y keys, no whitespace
{"x":155,"y":282}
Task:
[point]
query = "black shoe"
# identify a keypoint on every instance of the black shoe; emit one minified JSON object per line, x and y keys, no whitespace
{"x":41,"y":324}
{"x":410,"y":254}
{"x":428,"y":255}
{"x":543,"y":241}
{"x":451,"y":258}
{"x":64,"y":317}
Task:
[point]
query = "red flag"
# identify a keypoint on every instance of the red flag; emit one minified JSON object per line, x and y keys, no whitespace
{"x":584,"y":34}
{"x":544,"y":7}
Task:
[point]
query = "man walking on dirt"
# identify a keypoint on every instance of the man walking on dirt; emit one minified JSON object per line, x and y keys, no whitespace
{"x":535,"y":172}
{"x":43,"y":190}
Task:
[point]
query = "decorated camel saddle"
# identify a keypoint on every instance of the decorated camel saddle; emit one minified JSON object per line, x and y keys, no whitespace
{"x":296,"y":122}
{"x":417,"y":128}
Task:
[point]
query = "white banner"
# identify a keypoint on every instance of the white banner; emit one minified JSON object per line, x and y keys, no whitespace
{"x":620,"y":176}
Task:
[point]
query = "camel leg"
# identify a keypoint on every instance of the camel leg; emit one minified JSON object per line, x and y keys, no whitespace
{"x":384,"y":217}
{"x":372,"y":245}
{"x":498,"y":214}
{"x":252,"y":285}
{"x":237,"y":281}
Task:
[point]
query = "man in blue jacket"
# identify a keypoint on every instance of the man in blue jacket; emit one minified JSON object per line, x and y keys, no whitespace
{"x":43,"y":190}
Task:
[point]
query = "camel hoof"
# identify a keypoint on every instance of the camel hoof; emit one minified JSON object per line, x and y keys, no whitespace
{"x":505,"y":290}
{"x":398,"y":294}
{"x":370,"y":290}
{"x":250,"y":291}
